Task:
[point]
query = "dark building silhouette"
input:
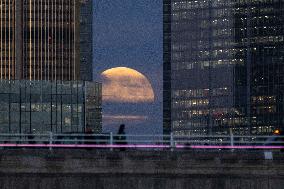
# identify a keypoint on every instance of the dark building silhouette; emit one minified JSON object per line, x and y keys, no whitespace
{"x":223,"y":66}
{"x":46,"y":39}
{"x":86,"y":40}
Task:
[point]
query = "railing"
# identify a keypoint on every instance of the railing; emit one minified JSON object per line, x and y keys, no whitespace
{"x":111,"y":141}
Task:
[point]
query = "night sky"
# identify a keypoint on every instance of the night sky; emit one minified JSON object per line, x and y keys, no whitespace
{"x":128,"y":33}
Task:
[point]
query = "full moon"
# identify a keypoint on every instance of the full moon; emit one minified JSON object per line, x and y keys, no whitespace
{"x":123,"y":84}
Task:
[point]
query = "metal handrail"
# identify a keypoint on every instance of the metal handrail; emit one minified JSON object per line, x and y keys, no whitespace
{"x":111,"y":140}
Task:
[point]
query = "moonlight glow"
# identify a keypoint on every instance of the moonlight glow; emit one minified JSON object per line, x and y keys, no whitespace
{"x":123,"y":84}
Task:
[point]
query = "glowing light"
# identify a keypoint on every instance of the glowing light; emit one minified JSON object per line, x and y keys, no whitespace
{"x":229,"y":147}
{"x":277,"y":132}
{"x":138,"y":146}
{"x":123,"y":84}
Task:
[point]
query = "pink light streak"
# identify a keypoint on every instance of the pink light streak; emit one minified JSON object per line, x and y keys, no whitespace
{"x":85,"y":145}
{"x":229,"y":147}
{"x":139,"y":146}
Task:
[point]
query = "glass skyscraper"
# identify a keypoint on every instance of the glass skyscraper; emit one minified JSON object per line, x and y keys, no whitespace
{"x":223,"y":66}
{"x":41,"y":39}
{"x":46,"y":67}
{"x":43,"y":106}
{"x":86,"y":40}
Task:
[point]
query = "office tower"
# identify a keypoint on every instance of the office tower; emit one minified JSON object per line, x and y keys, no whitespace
{"x":167,"y":128}
{"x":86,"y":40}
{"x":50,"y":106}
{"x":223,"y":66}
{"x":40,"y":39}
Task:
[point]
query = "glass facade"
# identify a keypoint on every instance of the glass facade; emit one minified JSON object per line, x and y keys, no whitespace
{"x":43,"y":106}
{"x":49,"y":40}
{"x":41,"y":39}
{"x":7,"y":39}
{"x":167,"y":66}
{"x":86,"y":40}
{"x":223,"y":66}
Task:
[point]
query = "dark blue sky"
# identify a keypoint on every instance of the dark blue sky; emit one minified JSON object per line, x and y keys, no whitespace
{"x":128,"y":33}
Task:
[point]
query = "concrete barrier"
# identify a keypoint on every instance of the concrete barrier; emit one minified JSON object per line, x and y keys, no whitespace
{"x":103,"y":169}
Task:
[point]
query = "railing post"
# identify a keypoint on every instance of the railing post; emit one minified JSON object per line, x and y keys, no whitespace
{"x":111,"y":140}
{"x":172,"y":142}
{"x":231,"y":138}
{"x":50,"y":140}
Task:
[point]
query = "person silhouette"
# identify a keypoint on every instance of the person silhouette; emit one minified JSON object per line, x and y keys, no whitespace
{"x":121,"y":138}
